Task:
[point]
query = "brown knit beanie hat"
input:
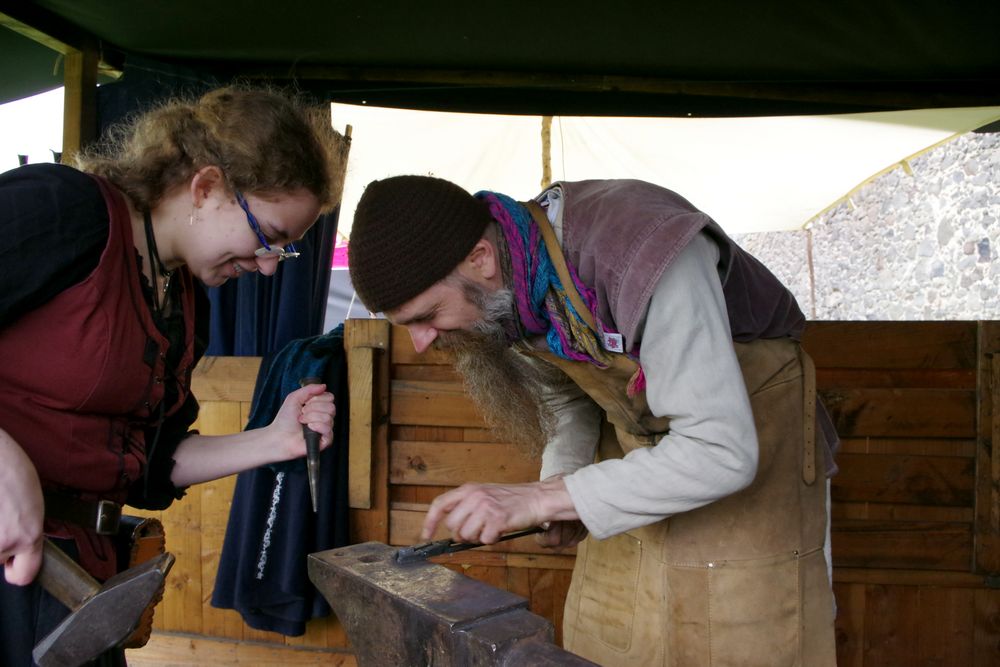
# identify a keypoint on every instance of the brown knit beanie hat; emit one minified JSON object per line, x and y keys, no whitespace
{"x":410,"y":232}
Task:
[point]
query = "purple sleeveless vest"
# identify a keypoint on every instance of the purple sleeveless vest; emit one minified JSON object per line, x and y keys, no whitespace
{"x":622,"y":234}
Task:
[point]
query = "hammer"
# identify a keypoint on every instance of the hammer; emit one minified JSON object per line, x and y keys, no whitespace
{"x":103,"y":616}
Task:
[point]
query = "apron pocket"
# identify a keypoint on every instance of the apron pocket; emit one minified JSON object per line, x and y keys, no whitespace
{"x":608,"y":590}
{"x":735,"y":613}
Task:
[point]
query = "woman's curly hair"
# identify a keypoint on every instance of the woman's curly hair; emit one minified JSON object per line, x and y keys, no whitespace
{"x":264,"y":141}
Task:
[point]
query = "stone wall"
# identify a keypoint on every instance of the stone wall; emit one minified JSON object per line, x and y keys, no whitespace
{"x":913,"y":244}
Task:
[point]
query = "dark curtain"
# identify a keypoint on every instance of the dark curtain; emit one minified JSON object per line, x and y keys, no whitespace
{"x":254,"y":315}
{"x":144,"y":84}
{"x":263,"y":568}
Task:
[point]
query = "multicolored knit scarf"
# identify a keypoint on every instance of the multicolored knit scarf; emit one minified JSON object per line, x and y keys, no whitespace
{"x":543,"y":306}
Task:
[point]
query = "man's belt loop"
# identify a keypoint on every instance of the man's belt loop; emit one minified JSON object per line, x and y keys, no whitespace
{"x":101,"y":516}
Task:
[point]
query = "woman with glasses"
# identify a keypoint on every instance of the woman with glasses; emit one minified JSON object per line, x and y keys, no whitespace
{"x":103,"y":317}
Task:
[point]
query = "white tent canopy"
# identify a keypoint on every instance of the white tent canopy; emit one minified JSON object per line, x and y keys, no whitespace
{"x":750,"y":174}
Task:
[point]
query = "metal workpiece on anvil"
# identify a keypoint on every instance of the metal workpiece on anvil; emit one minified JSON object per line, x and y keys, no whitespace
{"x":426,"y":614}
{"x":421,"y":552}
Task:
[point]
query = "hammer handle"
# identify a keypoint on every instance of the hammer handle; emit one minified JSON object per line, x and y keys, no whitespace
{"x":64,"y":579}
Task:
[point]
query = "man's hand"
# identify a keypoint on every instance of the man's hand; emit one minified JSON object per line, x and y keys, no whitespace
{"x":562,"y":534}
{"x":21,"y":514}
{"x":481,"y":513}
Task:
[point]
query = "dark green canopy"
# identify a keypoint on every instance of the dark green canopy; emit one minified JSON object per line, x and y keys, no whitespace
{"x":632,"y":57}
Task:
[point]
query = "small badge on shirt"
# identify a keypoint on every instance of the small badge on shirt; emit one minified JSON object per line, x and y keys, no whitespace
{"x":612,"y":342}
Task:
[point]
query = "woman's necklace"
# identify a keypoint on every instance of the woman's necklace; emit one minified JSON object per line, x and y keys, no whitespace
{"x":155,"y":265}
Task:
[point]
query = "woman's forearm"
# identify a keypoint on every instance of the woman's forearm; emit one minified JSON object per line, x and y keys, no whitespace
{"x":200,"y":458}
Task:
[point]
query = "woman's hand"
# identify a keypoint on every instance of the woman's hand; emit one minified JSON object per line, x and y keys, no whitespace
{"x":22,"y":512}
{"x":310,"y":406}
{"x":200,"y":458}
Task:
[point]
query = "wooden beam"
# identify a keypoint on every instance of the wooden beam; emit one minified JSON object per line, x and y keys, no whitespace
{"x":80,"y":102}
{"x":864,"y":95}
{"x":15,"y":24}
{"x":546,"y":152}
{"x":55,"y":32}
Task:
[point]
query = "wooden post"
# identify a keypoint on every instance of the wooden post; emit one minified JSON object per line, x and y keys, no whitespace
{"x":367,"y":342}
{"x":80,"y":101}
{"x":986,"y":532}
{"x":546,"y":151}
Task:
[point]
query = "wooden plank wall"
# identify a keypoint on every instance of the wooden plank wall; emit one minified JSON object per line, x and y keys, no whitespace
{"x":907,"y":399}
{"x":915,"y":512}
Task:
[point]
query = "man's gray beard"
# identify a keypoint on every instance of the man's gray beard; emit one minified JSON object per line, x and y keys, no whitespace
{"x":505,"y":385}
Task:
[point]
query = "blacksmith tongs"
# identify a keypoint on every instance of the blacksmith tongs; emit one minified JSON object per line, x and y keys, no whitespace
{"x":421,"y":552}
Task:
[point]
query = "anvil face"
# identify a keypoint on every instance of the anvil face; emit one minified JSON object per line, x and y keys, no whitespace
{"x":426,"y":614}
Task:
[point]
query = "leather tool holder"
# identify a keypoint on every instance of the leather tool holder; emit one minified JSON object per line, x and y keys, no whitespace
{"x":140,"y":539}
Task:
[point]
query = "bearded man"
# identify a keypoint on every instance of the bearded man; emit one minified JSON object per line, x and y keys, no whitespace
{"x":615,"y":325}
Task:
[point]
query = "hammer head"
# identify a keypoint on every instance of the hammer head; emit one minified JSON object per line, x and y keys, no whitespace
{"x":107,"y":618}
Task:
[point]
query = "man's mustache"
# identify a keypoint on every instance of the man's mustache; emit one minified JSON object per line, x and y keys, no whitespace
{"x":459,"y":340}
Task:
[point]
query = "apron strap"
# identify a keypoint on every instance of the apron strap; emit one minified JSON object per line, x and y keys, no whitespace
{"x":559,"y":262}
{"x":808,"y":417}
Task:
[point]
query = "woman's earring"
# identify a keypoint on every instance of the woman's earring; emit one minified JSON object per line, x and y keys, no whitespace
{"x":192,"y":218}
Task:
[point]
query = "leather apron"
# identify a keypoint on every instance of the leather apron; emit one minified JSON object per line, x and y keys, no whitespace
{"x":741,"y":581}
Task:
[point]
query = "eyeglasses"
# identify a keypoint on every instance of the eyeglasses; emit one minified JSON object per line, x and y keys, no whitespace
{"x":268,"y":250}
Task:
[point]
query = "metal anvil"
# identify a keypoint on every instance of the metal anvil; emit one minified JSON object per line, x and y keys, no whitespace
{"x":425,"y":614}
